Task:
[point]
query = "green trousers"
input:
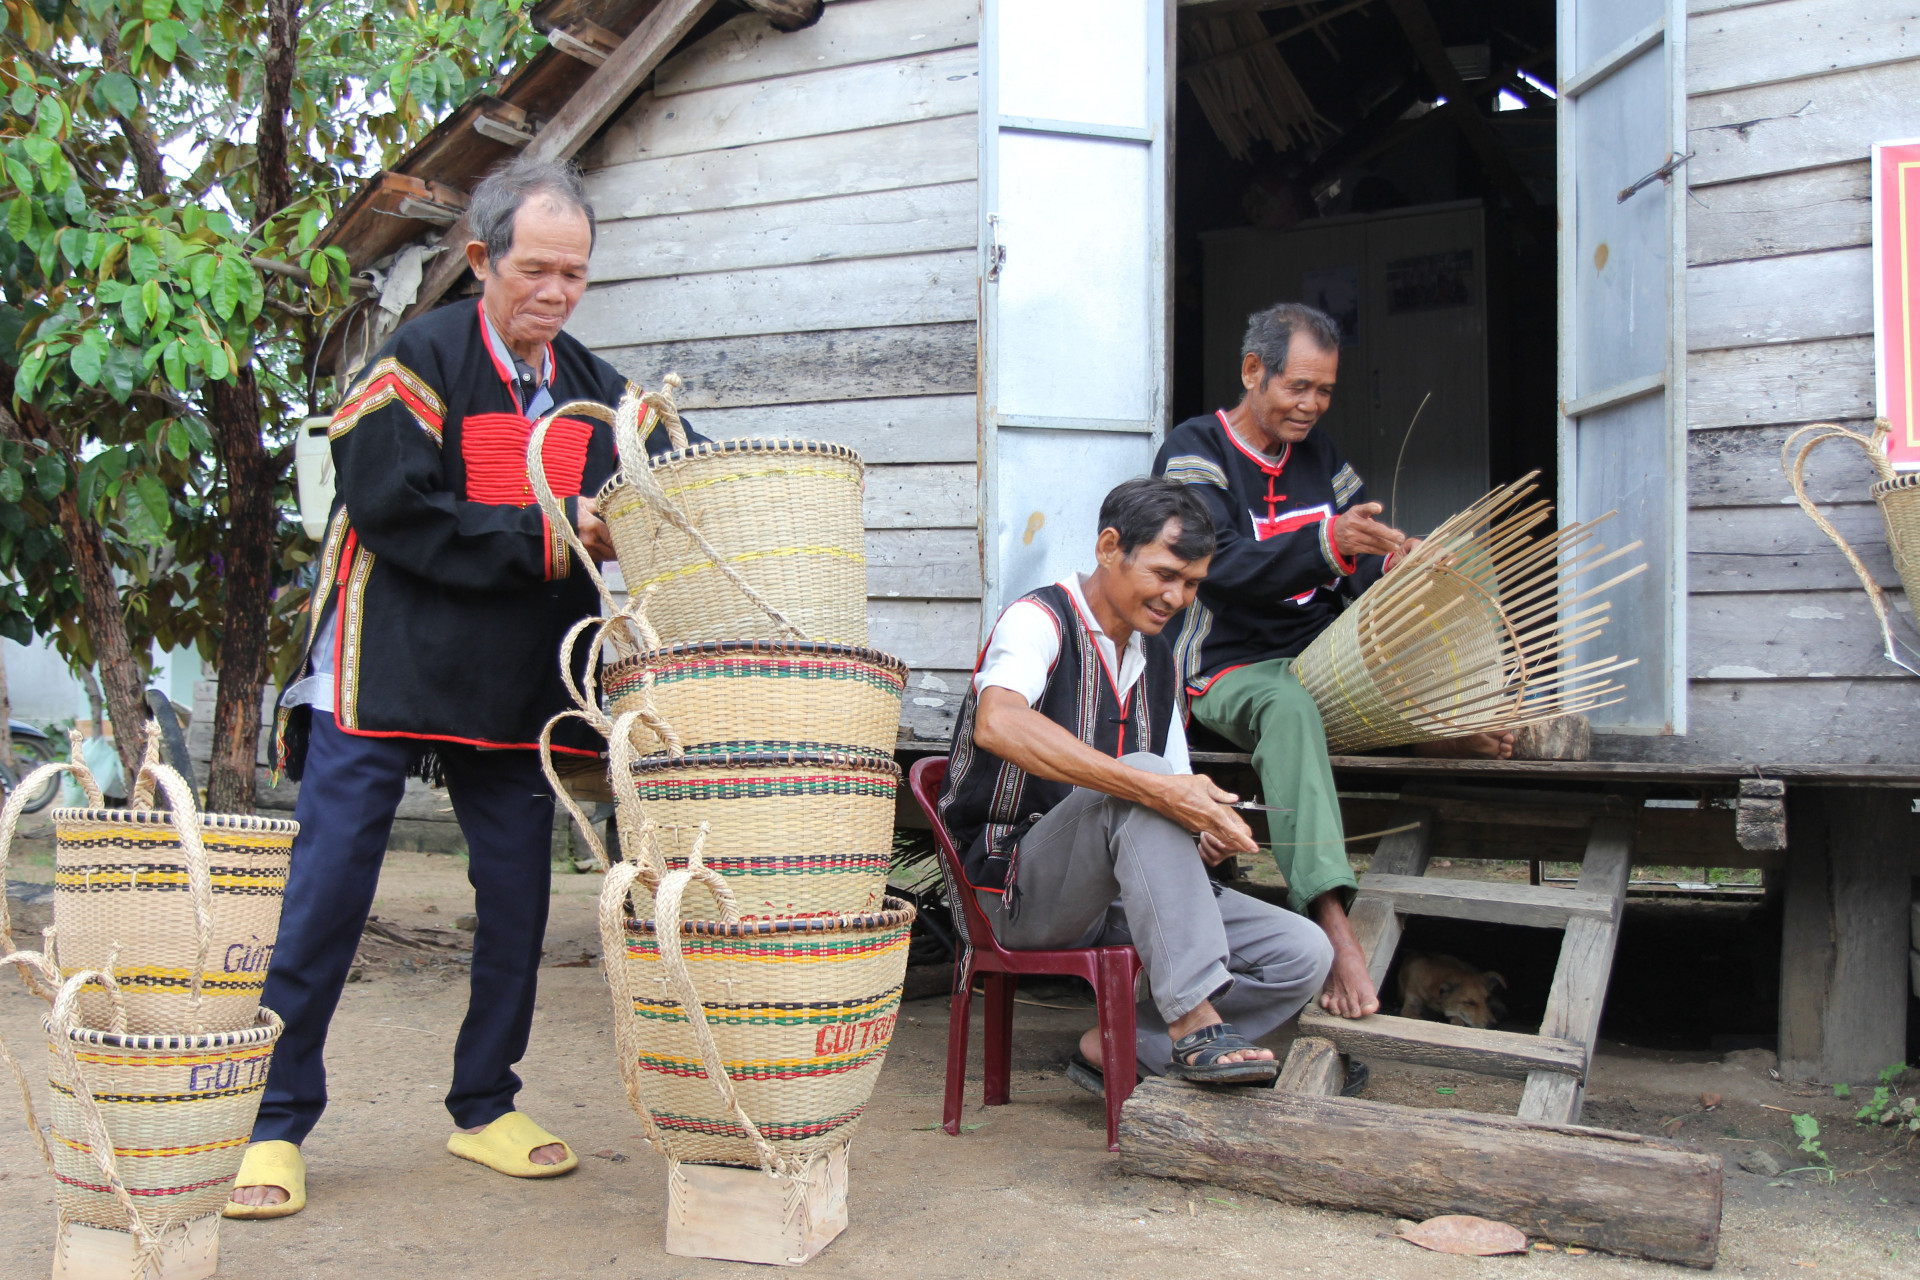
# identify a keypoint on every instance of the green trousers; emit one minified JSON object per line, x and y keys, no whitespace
{"x":1261,"y":708}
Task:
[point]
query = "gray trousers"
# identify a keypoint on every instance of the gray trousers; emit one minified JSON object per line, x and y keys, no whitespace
{"x":1099,"y":871}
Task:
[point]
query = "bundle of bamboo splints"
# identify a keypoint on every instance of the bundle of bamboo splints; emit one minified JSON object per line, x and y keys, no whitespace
{"x":1476,"y":631}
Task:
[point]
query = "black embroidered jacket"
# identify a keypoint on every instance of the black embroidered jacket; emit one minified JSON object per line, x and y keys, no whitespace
{"x":988,"y":803}
{"x":452,"y":589}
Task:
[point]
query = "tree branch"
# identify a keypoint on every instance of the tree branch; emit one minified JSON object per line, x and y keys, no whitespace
{"x":273,"y":189}
{"x":146,"y":152}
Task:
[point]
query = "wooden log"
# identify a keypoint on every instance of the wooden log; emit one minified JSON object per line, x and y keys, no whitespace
{"x":1563,"y":738}
{"x":1490,"y":901}
{"x":1314,"y":1066}
{"x":1441,"y":1044}
{"x":1760,"y":821}
{"x":1592,"y":1187}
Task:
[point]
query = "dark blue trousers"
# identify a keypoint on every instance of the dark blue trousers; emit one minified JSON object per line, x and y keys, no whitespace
{"x":348,"y":793}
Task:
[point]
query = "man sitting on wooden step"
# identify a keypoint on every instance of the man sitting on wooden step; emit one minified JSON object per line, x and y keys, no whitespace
{"x":1297,"y":541}
{"x":1080,"y":822}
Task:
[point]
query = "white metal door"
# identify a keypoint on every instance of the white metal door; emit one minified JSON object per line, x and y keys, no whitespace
{"x":1074,"y":120}
{"x":1622,"y":118}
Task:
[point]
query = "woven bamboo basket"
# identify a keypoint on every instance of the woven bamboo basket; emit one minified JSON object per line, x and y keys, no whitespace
{"x":1475,"y":632}
{"x":750,"y":1043}
{"x":147,"y":1130}
{"x":801,"y":834}
{"x":733,"y":696}
{"x":183,"y":907}
{"x":1897,"y":496}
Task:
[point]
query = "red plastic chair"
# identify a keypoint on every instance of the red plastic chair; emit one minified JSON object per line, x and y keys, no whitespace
{"x":1110,"y":970}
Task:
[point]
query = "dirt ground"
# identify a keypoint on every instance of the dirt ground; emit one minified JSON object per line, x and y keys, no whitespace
{"x":1028,"y":1189}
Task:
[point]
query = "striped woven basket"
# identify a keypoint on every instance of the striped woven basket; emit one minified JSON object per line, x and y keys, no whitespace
{"x":182,"y":907}
{"x":800,"y":835}
{"x":1898,"y":497}
{"x":790,"y":1023}
{"x":148,"y":1130}
{"x":732,"y":696}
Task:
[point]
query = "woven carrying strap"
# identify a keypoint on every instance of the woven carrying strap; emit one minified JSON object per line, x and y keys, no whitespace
{"x":551,"y":506}
{"x":1795,"y":466}
{"x":10,"y":822}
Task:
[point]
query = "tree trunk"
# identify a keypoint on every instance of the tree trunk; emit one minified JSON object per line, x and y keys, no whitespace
{"x":107,"y":626}
{"x":234,"y":411}
{"x":6,"y":714}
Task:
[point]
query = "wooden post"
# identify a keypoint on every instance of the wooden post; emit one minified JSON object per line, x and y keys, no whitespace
{"x":1376,"y":925}
{"x":1843,"y":945}
{"x":1615,"y":1191}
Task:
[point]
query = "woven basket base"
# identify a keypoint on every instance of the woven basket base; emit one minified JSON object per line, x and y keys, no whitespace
{"x":94,"y":1253}
{"x":743,"y":1215}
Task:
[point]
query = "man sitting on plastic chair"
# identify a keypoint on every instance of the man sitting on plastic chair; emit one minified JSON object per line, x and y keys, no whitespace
{"x":1078,"y":818}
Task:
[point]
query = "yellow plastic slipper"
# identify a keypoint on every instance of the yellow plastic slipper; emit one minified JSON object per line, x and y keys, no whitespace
{"x":271,"y":1164}
{"x":507,"y":1145}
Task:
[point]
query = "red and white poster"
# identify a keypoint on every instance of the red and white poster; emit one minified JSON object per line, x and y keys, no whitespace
{"x":1896,"y":295}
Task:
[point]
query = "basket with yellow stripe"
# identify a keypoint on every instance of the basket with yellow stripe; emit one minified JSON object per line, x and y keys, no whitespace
{"x":147,"y":1134}
{"x":799,"y":834}
{"x":744,"y":539}
{"x":733,"y":696}
{"x":749,"y":1042}
{"x":182,"y":907}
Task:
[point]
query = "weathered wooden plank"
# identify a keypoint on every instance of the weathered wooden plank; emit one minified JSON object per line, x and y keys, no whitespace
{"x":922,"y":497}
{"x":1313,"y":1067}
{"x":940,"y":634}
{"x":796,"y":368}
{"x":1592,"y":1187}
{"x":836,"y":101}
{"x":1797,"y":39}
{"x":1804,"y":722}
{"x":873,"y":225}
{"x":934,"y":563}
{"x":1801,"y":124}
{"x":932,"y":703}
{"x":1485,"y":900}
{"x":1741,"y":468}
{"x":1376,"y":925}
{"x":854,"y":31}
{"x":1579,"y":990}
{"x":1828,"y":208}
{"x":905,"y":429}
{"x":925,"y":288}
{"x":914,"y":154}
{"x":1810,"y":634}
{"x":1818,"y":381}
{"x":1441,"y":1044}
{"x":1791,"y":299}
{"x":1777,"y":549}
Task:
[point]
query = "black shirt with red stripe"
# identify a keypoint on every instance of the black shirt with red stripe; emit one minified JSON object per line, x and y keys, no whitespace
{"x":1277,"y":580}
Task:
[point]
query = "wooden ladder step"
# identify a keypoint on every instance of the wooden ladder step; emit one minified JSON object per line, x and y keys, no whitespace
{"x":1496,"y":903}
{"x":1441,"y":1044}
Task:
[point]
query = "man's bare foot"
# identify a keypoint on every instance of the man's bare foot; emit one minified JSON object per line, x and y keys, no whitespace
{"x":552,"y":1153}
{"x":1349,"y":991}
{"x":1473,"y":746}
{"x":259,"y":1195}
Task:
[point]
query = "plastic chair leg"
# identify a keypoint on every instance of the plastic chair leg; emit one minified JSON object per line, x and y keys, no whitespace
{"x":957,"y":1027}
{"x":999,"y":1037}
{"x":1118,"y":1050}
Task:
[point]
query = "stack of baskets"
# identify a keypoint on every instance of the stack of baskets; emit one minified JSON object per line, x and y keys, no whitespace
{"x":159,"y":1044}
{"x":751,"y":737}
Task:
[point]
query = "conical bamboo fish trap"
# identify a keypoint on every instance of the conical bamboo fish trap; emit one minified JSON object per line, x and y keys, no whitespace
{"x":1474,"y":632}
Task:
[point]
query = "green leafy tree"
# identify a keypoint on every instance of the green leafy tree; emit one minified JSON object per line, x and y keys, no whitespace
{"x":165,"y":169}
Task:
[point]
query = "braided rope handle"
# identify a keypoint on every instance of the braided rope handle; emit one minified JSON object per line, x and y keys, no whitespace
{"x":1874,"y":447}
{"x":185,"y":812}
{"x":10,"y":816}
{"x":630,"y":431}
{"x":63,"y":1023}
{"x":35,"y":970}
{"x":613,"y":955}
{"x":551,"y":506}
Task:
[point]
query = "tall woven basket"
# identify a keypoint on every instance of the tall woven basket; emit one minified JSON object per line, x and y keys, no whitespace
{"x":147,"y":1134}
{"x":182,"y":907}
{"x":1476,"y":631}
{"x":1898,"y":497}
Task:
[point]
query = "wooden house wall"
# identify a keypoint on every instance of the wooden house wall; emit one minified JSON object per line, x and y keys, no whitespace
{"x":790,"y":223}
{"x":1785,"y":98}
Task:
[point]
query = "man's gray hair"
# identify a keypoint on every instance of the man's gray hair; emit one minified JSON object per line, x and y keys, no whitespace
{"x":1270,"y":333}
{"x":501,"y":193}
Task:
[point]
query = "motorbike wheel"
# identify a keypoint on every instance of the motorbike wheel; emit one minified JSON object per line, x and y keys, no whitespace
{"x":29,"y":754}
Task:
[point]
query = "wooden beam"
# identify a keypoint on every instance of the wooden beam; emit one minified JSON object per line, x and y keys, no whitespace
{"x":1376,"y":925}
{"x":1280,"y":37}
{"x":789,"y":15}
{"x":1904,"y":776}
{"x":1580,"y":980}
{"x":610,"y":85}
{"x":585,"y":41}
{"x":1441,"y":1044}
{"x":1492,"y":902}
{"x":500,"y":121}
{"x":1424,"y":36}
{"x":1591,"y":1187}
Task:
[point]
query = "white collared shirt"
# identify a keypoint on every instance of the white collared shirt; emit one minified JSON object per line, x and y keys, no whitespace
{"x":1025,"y":644}
{"x":541,"y":401}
